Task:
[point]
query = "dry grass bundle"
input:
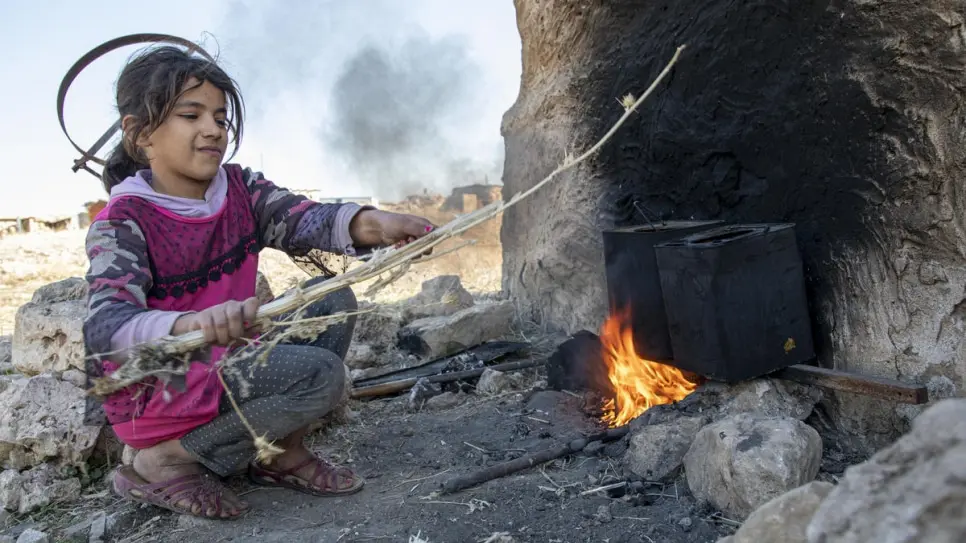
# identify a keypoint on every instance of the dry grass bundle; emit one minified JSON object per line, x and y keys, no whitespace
{"x":168,"y":357}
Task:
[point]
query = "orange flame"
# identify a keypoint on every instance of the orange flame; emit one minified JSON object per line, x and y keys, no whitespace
{"x":639,"y":384}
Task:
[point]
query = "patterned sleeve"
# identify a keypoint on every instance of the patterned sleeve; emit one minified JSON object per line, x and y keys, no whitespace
{"x":118,"y":278}
{"x":295,"y":224}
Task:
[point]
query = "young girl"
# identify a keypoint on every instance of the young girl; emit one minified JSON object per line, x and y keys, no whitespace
{"x":176,"y":250}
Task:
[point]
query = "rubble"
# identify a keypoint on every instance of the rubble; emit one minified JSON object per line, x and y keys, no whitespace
{"x":436,"y":337}
{"x":743,"y":461}
{"x":912,"y":490}
{"x":28,"y":491}
{"x":42,"y":419}
{"x":48,"y":330}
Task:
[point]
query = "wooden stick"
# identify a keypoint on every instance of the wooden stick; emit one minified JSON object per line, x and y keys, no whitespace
{"x":524,"y":462}
{"x":387,"y":260}
{"x":876,"y":387}
{"x":392,"y":387}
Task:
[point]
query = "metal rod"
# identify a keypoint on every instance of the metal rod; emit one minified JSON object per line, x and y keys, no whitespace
{"x":393,"y":387}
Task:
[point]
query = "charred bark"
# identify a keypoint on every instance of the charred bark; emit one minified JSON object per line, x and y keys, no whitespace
{"x":846,"y":118}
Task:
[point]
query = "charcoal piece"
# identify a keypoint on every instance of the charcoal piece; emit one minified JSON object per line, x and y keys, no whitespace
{"x":577,"y":364}
{"x":735,"y":301}
{"x":634,"y":283}
{"x":463,"y":362}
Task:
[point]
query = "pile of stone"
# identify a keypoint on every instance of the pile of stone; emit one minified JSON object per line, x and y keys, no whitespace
{"x":747,"y":451}
{"x":44,"y":442}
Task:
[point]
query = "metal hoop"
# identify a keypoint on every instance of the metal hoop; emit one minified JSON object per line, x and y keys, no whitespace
{"x":85,"y":61}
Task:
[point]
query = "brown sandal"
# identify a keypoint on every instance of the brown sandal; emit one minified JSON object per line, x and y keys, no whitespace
{"x":326,"y":480}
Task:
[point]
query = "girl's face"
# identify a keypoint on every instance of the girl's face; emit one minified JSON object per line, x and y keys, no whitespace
{"x":189,"y":145}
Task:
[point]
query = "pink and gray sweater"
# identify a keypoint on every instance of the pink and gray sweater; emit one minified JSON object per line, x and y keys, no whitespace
{"x":155,"y":257}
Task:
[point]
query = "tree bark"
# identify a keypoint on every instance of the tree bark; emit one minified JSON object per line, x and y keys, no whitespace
{"x":844,"y":117}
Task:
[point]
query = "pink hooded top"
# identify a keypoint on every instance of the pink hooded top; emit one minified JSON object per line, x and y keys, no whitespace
{"x":155,"y":257}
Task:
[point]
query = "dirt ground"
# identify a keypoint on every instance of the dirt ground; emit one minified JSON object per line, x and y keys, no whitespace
{"x":406,"y":455}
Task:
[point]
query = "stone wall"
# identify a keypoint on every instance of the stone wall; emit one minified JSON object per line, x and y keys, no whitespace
{"x":845,"y":118}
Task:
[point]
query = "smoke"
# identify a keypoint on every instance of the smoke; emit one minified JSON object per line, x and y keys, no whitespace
{"x":395,"y":112}
{"x":393,"y":108}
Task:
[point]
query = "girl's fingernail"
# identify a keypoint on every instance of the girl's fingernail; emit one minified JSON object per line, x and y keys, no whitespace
{"x":429,"y":228}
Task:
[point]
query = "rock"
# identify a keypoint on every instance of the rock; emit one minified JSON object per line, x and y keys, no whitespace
{"x":446,"y":400}
{"x":361,"y":356}
{"x":75,"y":377}
{"x":263,"y":289}
{"x":603,"y":514}
{"x":49,"y":337}
{"x":36,"y":488}
{"x":423,"y":390}
{"x":127,"y":455}
{"x":98,"y":529}
{"x":377,"y":326}
{"x":770,"y":398}
{"x":78,"y":532}
{"x":913,"y":490}
{"x":743,"y":461}
{"x":33,"y":536}
{"x":41,"y":419}
{"x":66,"y":290}
{"x":728,"y":539}
{"x":656,"y":451}
{"x":686,"y":523}
{"x":436,"y":337}
{"x":439,"y":297}
{"x":493,"y":382}
{"x":6,"y":354}
{"x":786,"y":517}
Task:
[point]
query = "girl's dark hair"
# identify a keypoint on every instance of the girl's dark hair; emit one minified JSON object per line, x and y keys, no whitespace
{"x":148,"y":88}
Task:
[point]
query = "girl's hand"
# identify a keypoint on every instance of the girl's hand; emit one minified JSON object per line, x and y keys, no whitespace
{"x":371,"y":227}
{"x":222,"y":324}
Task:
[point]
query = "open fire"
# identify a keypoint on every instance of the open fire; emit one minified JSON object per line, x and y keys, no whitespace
{"x":638,"y":384}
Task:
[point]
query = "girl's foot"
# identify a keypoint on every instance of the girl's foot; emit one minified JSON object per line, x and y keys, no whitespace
{"x":299,"y":469}
{"x":161,"y":476}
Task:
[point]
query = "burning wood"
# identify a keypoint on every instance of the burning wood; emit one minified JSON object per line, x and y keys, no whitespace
{"x":638,"y":384}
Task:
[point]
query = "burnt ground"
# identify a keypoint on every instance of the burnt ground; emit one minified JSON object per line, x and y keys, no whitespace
{"x":406,"y":455}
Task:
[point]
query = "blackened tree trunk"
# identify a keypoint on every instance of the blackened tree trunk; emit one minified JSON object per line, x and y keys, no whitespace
{"x":844,"y":117}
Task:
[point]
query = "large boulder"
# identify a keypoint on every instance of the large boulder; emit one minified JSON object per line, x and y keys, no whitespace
{"x":740,"y":462}
{"x":785,"y":518}
{"x":911,"y":491}
{"x":48,"y":330}
{"x":42,"y":420}
{"x":842,"y":117}
{"x":656,"y":451}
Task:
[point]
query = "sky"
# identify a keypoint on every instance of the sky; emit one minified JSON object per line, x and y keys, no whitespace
{"x":379,"y":98}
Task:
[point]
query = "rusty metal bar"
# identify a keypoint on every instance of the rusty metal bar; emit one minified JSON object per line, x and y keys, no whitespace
{"x":876,"y":387}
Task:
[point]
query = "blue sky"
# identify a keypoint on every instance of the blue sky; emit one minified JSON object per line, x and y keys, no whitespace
{"x":287,"y":56}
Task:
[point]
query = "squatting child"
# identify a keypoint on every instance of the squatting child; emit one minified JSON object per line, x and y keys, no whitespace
{"x":176,"y":250}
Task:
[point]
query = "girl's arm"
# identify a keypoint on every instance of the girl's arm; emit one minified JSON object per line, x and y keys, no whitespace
{"x":119,"y":278}
{"x":295,"y":224}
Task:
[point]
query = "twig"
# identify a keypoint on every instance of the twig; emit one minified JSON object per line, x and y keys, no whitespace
{"x":604,"y":488}
{"x":266,"y":450}
{"x":382,"y":260}
{"x":528,"y":461}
